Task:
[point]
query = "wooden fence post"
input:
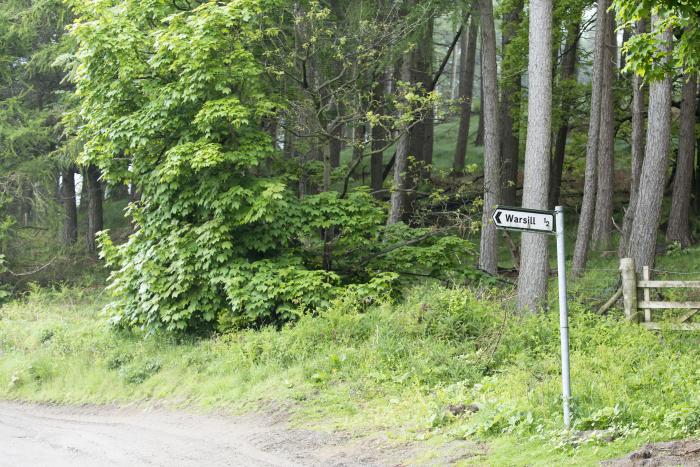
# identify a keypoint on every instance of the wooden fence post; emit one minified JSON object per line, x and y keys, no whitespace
{"x":629,"y":289}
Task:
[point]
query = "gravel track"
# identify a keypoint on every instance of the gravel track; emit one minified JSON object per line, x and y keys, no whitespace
{"x":43,"y":435}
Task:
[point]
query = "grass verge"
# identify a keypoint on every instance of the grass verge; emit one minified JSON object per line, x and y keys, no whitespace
{"x":391,"y":368}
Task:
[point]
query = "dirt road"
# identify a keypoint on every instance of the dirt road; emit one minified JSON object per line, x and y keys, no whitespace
{"x":40,"y":435}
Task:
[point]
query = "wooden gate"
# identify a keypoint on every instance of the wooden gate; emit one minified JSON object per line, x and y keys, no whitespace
{"x":641,"y":311}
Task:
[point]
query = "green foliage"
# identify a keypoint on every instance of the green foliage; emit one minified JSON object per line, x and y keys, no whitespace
{"x":623,"y":381}
{"x":392,"y":366}
{"x":645,"y":55}
{"x":31,"y":101}
{"x":175,"y":101}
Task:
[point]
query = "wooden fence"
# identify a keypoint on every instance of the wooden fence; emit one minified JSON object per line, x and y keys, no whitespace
{"x":641,"y":311}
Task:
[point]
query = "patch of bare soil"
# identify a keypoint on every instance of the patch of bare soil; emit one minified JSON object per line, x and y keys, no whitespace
{"x":672,"y":453}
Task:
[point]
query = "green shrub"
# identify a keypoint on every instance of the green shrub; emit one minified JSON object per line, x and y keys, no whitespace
{"x":222,"y":239}
{"x":138,"y":372}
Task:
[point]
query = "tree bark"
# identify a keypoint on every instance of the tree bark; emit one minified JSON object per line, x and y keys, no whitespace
{"x":26,"y":202}
{"x":479,"y":138}
{"x":602,"y":220}
{"x":626,"y":35}
{"x":83,"y":198}
{"x":696,"y":178}
{"x":466,"y":89}
{"x":400,"y":185}
{"x":585,"y":224}
{"x":287,"y":150}
{"x":488,"y":258}
{"x":426,"y":68}
{"x":510,"y":107}
{"x":70,"y":209}
{"x":534,"y":262}
{"x":420,"y":133}
{"x":94,"y":214}
{"x":637,"y":153}
{"x":359,"y":134}
{"x":334,"y":145}
{"x":642,"y":243}
{"x":456,"y":65}
{"x":379,"y":136}
{"x":567,"y":73}
{"x":678,"y":224}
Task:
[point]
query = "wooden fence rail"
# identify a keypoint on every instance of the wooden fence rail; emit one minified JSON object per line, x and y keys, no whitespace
{"x":641,"y":311}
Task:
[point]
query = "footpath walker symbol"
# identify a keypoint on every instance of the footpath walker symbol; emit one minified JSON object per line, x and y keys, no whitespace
{"x":546,"y":222}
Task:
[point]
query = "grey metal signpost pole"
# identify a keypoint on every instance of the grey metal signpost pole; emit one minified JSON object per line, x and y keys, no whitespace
{"x":563,"y":315}
{"x":546,"y":222}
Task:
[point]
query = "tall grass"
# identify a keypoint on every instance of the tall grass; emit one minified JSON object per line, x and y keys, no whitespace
{"x":396,"y":367}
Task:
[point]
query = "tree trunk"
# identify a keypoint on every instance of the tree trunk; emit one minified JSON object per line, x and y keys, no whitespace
{"x":70,"y":209}
{"x":270,"y":126}
{"x":626,"y":34}
{"x":456,"y":64}
{"x":83,"y":199}
{"x":479,"y":138}
{"x":94,"y":214}
{"x":696,"y":178}
{"x":637,"y":154}
{"x":568,"y":73}
{"x":510,"y":108}
{"x":488,"y":258}
{"x":26,"y":202}
{"x":358,"y":148}
{"x":379,"y":136}
{"x":678,"y":226}
{"x":419,"y":134}
{"x":400,"y":185}
{"x":287,"y":149}
{"x":590,"y":183}
{"x":642,"y":243}
{"x":466,"y":89}
{"x":421,"y":76}
{"x":426,"y":68}
{"x":534,"y":263}
{"x":334,"y":147}
{"x":602,"y":220}
{"x":336,"y":132}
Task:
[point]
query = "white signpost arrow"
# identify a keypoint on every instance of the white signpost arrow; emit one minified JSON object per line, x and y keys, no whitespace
{"x":546,"y":222}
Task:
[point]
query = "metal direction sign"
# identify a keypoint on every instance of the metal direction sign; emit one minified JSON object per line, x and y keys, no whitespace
{"x":536,"y":221}
{"x":532,"y":220}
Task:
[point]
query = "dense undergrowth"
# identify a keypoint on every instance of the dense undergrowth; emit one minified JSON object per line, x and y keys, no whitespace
{"x":393,"y":368}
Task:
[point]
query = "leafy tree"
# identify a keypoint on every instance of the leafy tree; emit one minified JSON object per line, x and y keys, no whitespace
{"x":646,"y":52}
{"x":174,"y":98}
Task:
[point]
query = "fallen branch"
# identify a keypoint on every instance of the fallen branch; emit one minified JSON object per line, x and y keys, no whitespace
{"x":616,"y":296}
{"x":29,"y":273}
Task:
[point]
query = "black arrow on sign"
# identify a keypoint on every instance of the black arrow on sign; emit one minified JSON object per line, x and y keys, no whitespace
{"x":497,"y":217}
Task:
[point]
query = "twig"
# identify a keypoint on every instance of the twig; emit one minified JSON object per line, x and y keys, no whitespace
{"x":19,"y":274}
